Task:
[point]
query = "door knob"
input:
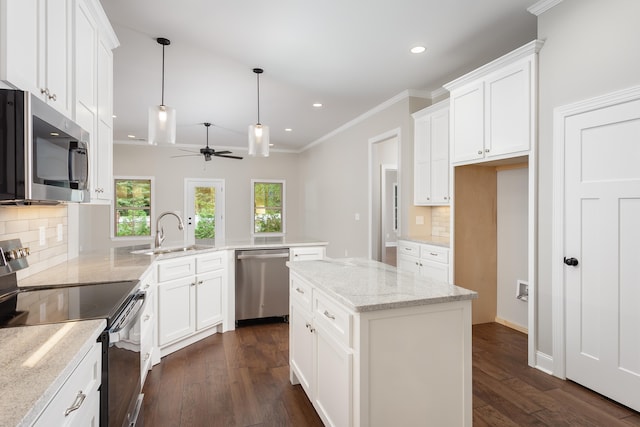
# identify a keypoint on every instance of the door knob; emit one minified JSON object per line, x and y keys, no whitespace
{"x":571,"y":261}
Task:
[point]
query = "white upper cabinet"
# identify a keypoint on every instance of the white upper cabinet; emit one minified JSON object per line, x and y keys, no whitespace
{"x":431,"y":155}
{"x":37,"y":49}
{"x":493,"y":108}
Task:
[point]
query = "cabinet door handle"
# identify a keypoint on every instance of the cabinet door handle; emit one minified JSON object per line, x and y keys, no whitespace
{"x":417,"y":263}
{"x":45,"y":92}
{"x":147,"y":317}
{"x":300,"y":291}
{"x":53,"y":97}
{"x":329,"y":315}
{"x":76,"y":403}
{"x":307,"y":325}
{"x":479,"y":151}
{"x":486,"y":150}
{"x":146,"y":356}
{"x":193,"y":284}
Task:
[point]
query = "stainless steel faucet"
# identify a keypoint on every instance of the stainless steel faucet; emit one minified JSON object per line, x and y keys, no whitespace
{"x":160,"y":231}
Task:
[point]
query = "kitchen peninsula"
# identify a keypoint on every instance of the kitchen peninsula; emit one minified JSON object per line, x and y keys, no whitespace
{"x":375,"y":346}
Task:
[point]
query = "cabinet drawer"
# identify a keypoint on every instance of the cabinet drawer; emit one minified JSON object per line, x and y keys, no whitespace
{"x":175,"y":269}
{"x":146,"y":344}
{"x":210,"y":262}
{"x":408,"y":248}
{"x":301,"y":292}
{"x":434,"y":253}
{"x":307,"y":253}
{"x":336,"y":320}
{"x":78,"y":391}
{"x":147,"y":282}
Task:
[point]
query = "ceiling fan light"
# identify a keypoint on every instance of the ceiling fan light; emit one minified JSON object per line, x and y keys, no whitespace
{"x":162,"y":125}
{"x":259,"y":140}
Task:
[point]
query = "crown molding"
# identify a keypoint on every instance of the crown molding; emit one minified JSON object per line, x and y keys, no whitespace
{"x":542,"y":6}
{"x":530,"y":48}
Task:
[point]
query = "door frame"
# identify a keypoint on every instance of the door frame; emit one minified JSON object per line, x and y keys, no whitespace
{"x":384,"y":168}
{"x":219,"y":237}
{"x":393,"y":133}
{"x":558,"y":286}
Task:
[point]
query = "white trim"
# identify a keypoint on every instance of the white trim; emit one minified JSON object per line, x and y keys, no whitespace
{"x":544,"y":363}
{"x":439,"y":92}
{"x":381,"y":107}
{"x":393,"y":133}
{"x":112,"y":209}
{"x":542,"y":6}
{"x":530,"y":48}
{"x":284,"y":207}
{"x":560,"y":115}
{"x":103,"y":23}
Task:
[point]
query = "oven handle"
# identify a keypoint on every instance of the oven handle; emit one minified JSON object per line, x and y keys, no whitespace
{"x":128,"y":317}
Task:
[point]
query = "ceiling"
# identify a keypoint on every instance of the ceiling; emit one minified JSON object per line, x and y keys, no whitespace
{"x":351,"y":56}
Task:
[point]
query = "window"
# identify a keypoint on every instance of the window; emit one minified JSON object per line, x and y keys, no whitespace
{"x":132,"y":207}
{"x":204,"y":210}
{"x":268,"y":207}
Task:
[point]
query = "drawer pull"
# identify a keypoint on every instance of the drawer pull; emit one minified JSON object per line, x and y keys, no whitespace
{"x":300,"y":291}
{"x":307,"y":325}
{"x":146,"y":356}
{"x":329,"y":315}
{"x":76,"y":403}
{"x":433,"y":254}
{"x":147,"y":317}
{"x":147,"y":286}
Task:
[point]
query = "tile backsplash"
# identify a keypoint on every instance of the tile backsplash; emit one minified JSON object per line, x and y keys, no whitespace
{"x":440,"y":224}
{"x":43,"y":229}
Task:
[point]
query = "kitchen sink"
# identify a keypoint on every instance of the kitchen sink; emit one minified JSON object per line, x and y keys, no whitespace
{"x":170,"y":250}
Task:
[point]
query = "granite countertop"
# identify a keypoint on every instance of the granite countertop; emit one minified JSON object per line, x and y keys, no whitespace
{"x":30,"y":380}
{"x":429,"y":240}
{"x":365,"y":285}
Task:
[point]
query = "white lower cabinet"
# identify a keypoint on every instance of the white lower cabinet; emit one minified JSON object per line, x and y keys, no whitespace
{"x":147,"y":324}
{"x":426,"y":260}
{"x":190,"y":299}
{"x":77,"y":403}
{"x":397,"y":366}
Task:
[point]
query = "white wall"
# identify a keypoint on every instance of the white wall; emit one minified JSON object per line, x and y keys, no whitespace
{"x":335,"y":178}
{"x":512,"y":228}
{"x":591,"y":48}
{"x":169,"y":176}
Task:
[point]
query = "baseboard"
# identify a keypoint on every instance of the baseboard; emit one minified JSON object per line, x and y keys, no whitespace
{"x":511,"y":325}
{"x":544,"y":363}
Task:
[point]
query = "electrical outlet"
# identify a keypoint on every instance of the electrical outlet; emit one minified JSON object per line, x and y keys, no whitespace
{"x":522,"y":290}
{"x":43,"y":235}
{"x":59,"y":233}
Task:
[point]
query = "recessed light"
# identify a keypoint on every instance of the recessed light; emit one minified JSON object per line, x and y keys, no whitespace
{"x":114,"y":116}
{"x":270,"y":145}
{"x":418,"y":49}
{"x":54,"y":134}
{"x":131,"y":136}
{"x":317,"y":104}
{"x":288,"y":130}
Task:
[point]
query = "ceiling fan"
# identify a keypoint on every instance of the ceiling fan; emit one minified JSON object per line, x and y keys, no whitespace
{"x":209,"y":152}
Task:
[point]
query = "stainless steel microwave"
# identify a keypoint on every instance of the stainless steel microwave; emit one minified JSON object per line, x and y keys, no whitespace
{"x":43,"y":155}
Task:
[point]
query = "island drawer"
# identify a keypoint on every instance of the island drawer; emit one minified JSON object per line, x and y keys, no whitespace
{"x":210,"y":262}
{"x":306,"y":253}
{"x":434,"y":253}
{"x":301,"y":292}
{"x":335,"y":319}
{"x":408,"y":248}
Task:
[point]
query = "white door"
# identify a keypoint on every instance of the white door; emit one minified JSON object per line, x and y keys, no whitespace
{"x":602,"y":234}
{"x":204,"y":210}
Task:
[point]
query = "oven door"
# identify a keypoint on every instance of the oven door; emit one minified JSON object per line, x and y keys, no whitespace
{"x":121,"y":397}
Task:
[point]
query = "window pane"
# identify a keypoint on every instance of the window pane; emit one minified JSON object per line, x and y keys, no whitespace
{"x":268,"y":207}
{"x":132,"y":207}
{"x":205,"y":208}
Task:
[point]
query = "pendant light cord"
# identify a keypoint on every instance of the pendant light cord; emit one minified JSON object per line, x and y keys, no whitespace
{"x":258,"y":80}
{"x":162,"y":101}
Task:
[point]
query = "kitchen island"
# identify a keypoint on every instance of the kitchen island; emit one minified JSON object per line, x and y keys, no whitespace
{"x":375,"y":346}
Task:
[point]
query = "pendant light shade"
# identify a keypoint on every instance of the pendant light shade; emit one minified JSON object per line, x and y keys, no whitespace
{"x":258,"y":133}
{"x":162,"y":118}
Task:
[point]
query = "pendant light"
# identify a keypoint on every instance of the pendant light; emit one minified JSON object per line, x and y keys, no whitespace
{"x":162,"y":119}
{"x":258,"y":133}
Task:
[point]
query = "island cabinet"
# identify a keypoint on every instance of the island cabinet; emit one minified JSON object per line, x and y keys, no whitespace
{"x":368,"y":355}
{"x":191,"y":290}
{"x":423,"y":259}
{"x":431,"y":155}
{"x":147,"y":323}
{"x":493,"y":108}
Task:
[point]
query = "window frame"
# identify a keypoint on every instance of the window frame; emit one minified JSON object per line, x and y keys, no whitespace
{"x":283,"y":207}
{"x":152,"y":226}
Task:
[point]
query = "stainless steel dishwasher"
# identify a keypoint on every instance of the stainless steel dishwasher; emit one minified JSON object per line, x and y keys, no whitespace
{"x":262,"y":284}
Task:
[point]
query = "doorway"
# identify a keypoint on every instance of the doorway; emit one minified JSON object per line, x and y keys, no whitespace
{"x":204,"y":211}
{"x":383,"y":168}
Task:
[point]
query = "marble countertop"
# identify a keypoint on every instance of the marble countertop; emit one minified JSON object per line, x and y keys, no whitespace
{"x":120,"y":264}
{"x":429,"y":240}
{"x":30,"y":376}
{"x":364,"y":285}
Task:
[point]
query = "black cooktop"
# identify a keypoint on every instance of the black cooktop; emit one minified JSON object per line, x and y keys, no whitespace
{"x":39,"y":305}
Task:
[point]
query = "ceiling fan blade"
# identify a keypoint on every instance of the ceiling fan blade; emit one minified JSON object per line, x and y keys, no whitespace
{"x":229,"y":157}
{"x":186,"y":155}
{"x":223,"y":152}
{"x":187,"y":151}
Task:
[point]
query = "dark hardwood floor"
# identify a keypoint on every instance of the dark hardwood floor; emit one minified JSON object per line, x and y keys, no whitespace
{"x":241,"y":378}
